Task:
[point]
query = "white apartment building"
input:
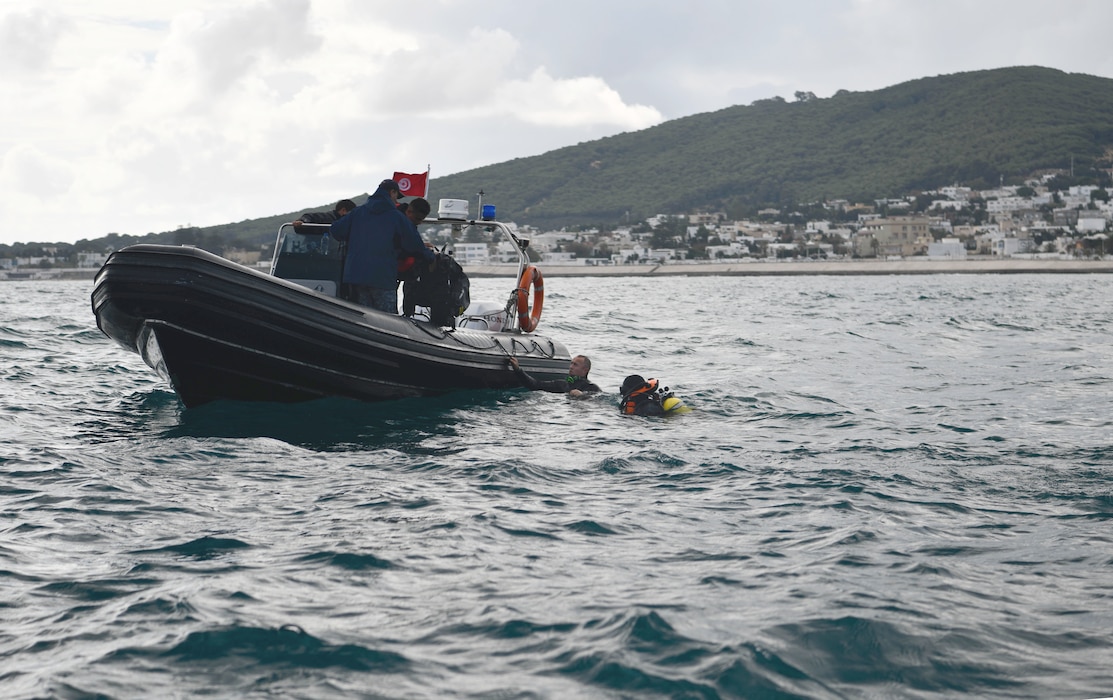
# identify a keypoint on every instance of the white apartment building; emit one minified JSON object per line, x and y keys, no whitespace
{"x":1014,"y":203}
{"x":1091,"y":222}
{"x":947,"y":249}
{"x":472,"y":253}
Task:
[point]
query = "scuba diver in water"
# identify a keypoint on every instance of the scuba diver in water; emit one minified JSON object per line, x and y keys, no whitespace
{"x":576,"y":385}
{"x":644,"y":397}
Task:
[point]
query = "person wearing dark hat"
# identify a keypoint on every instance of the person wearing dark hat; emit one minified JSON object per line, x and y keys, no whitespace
{"x":645,"y":397}
{"x":377,"y":234}
{"x":575,"y":385}
{"x":639,"y":397}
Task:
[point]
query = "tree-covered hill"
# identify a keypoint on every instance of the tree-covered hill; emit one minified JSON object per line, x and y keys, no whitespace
{"x":976,"y":128}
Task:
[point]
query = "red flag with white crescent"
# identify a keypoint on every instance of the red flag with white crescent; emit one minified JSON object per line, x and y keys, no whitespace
{"x":413,"y":185}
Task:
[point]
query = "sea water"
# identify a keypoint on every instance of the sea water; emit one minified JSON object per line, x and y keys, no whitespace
{"x":889,"y":487}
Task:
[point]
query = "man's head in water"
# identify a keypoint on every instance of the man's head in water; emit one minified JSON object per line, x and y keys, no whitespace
{"x":580,"y":367}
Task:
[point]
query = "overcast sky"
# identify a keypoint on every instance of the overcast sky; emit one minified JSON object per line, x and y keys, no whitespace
{"x":133,"y":116}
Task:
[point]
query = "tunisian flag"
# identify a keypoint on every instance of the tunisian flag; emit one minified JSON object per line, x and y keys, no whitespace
{"x":413,"y":185}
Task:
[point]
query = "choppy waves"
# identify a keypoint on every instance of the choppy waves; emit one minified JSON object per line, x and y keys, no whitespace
{"x":889,"y":487}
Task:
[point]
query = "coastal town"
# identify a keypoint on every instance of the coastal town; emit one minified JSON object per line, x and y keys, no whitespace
{"x":1035,"y":221}
{"x":1030,"y":221}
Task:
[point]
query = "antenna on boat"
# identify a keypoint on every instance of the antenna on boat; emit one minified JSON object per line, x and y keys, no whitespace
{"x":486,"y":212}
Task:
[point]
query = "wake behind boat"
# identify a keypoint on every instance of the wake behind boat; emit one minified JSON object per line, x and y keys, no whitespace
{"x":215,"y":329}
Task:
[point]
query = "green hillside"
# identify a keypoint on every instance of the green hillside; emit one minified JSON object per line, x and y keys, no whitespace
{"x":975,"y":128}
{"x":970,"y":127}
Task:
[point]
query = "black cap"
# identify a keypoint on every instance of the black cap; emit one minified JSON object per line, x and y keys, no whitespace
{"x":632,"y":383}
{"x":390,"y":185}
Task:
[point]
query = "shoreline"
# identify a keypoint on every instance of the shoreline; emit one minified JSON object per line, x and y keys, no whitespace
{"x":738,"y":269}
{"x":841,"y":267}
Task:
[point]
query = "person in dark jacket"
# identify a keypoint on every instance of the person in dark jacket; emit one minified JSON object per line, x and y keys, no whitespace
{"x":415,"y":212}
{"x":646,"y":397}
{"x":377,"y":234}
{"x":575,"y":385}
{"x":640,"y":397}
{"x":325,"y":217}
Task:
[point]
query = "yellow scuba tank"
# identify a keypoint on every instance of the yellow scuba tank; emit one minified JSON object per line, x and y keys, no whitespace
{"x":672,"y":405}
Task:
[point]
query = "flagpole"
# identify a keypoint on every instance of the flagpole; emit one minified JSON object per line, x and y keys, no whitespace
{"x":427,"y":180}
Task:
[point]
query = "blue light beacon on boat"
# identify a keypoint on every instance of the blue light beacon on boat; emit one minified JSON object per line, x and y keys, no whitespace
{"x":488,"y":212}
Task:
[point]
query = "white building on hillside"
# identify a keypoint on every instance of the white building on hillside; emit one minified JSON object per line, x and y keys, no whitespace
{"x":947,"y":204}
{"x":86,"y":259}
{"x":956,"y":192}
{"x":1008,"y":246}
{"x":947,"y":249}
{"x":1091,"y":222}
{"x":472,"y":254}
{"x":1006,"y":204}
{"x":506,"y":252}
{"x":553,"y":258}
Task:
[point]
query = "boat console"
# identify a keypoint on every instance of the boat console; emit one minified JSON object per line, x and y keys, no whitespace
{"x":309,"y":257}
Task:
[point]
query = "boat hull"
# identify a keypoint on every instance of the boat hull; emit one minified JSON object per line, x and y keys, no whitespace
{"x":218,"y":330}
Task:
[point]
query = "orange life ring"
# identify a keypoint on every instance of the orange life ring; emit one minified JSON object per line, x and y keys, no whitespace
{"x":527,"y":321}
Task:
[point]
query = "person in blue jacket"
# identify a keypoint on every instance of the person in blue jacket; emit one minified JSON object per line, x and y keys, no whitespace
{"x":377,"y":234}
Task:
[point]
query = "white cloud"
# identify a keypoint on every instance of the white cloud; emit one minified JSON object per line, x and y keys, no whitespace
{"x":576,"y":102}
{"x":31,"y":173}
{"x":217,"y":50}
{"x":133,"y":116}
{"x":28,"y":39}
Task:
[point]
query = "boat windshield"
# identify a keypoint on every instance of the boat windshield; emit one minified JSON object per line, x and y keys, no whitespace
{"x":309,"y":241}
{"x":306,"y":239}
